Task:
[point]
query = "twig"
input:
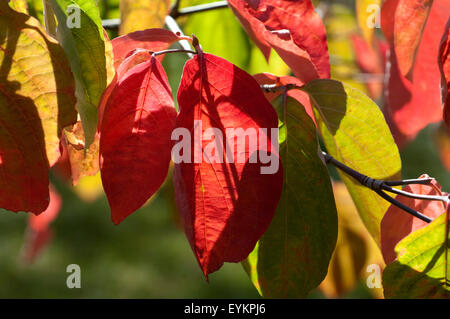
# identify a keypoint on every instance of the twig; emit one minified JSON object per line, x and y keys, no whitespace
{"x":173,"y":26}
{"x":172,"y":51}
{"x":379,"y":185}
{"x":175,"y":12}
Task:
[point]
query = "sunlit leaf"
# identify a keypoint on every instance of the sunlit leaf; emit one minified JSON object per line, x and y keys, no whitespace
{"x":397,"y":224}
{"x":444,"y":64}
{"x":38,"y":233}
{"x":80,"y":33}
{"x":341,"y":25}
{"x":356,"y":134}
{"x":225,"y":205}
{"x":82,"y":162}
{"x":142,"y":14}
{"x":36,"y":102}
{"x":135,"y":138}
{"x":371,"y":61}
{"x":293,"y":29}
{"x":292,"y":256}
{"x":410,"y":19}
{"x":422,"y":266}
{"x":367,"y":13}
{"x":19,"y":5}
{"x":413,"y":104}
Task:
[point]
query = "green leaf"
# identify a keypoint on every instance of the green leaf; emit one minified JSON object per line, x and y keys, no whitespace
{"x":36,"y":9}
{"x":292,"y":257}
{"x":355,"y":133}
{"x":422,"y":268}
{"x":139,"y":15}
{"x":85,"y":48}
{"x":221,"y":34}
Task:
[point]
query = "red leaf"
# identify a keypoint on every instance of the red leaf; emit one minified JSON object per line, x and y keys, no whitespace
{"x":444,"y":63}
{"x":135,"y":57}
{"x":293,"y":29}
{"x":150,"y":39}
{"x":135,"y":138}
{"x":397,"y":224}
{"x":38,"y":233}
{"x":371,"y":60}
{"x":412,"y":105}
{"x":299,"y":95}
{"x":254,"y":29}
{"x":410,"y":19}
{"x":42,"y":222}
{"x":225,"y":207}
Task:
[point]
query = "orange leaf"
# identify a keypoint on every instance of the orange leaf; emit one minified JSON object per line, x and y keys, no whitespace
{"x":397,"y":224}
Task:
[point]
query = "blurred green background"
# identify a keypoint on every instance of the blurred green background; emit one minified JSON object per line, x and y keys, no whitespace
{"x":148,"y":255}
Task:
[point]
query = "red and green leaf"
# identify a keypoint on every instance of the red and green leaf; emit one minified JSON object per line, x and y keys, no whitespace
{"x":135,"y":135}
{"x":422,"y":266}
{"x":396,"y":224}
{"x":85,"y":46}
{"x":225,"y":206}
{"x":36,"y":102}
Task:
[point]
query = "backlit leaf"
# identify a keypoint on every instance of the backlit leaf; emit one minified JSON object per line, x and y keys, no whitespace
{"x":151,"y":39}
{"x":132,"y":49}
{"x":422,"y":266}
{"x":142,"y":14}
{"x":356,"y":134}
{"x":36,"y":102}
{"x":292,"y":256}
{"x":410,"y":19}
{"x":413,"y":104}
{"x":135,"y":138}
{"x":444,"y":64}
{"x":355,"y":250}
{"x":80,"y":33}
{"x":293,"y":29}
{"x":19,"y":5}
{"x":82,"y":162}
{"x":367,"y":13}
{"x":38,"y":233}
{"x":225,"y":205}
{"x":397,"y":224}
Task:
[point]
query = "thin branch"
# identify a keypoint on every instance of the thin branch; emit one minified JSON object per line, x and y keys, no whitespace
{"x":175,"y":8}
{"x":198,"y":8}
{"x":173,"y":26}
{"x":175,"y":12}
{"x":379,"y":185}
{"x":443,"y":199}
{"x":376,"y":185}
{"x":172,"y":51}
{"x":404,"y":207}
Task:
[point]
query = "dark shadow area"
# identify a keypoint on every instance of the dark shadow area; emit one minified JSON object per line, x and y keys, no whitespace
{"x":401,"y":281}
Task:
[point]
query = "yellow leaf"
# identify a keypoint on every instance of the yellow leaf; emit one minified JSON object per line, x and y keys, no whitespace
{"x":367,"y":12}
{"x":355,"y":250}
{"x":142,"y":14}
